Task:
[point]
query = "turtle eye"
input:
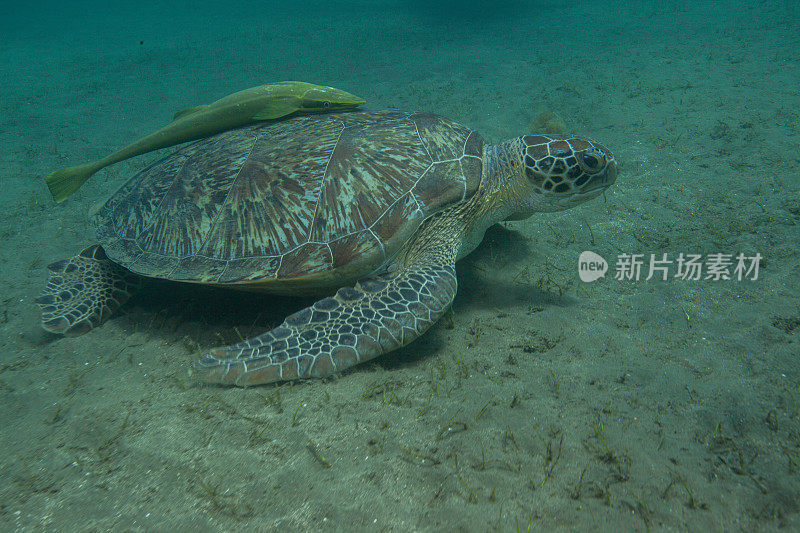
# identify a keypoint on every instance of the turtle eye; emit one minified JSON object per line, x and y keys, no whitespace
{"x":326,"y":104}
{"x":592,"y":160}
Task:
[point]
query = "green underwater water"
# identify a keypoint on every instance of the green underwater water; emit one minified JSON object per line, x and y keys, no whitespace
{"x":541,"y":401}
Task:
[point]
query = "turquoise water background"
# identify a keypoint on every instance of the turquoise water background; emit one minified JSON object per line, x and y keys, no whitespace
{"x":541,"y":401}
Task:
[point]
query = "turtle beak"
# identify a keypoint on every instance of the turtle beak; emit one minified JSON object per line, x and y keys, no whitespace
{"x":602,"y":180}
{"x":611,"y":173}
{"x":593,"y":188}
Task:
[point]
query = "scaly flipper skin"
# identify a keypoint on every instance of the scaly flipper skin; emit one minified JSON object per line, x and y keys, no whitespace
{"x":83,"y":291}
{"x":359,"y":323}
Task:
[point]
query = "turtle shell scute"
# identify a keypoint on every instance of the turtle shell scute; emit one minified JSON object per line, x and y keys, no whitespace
{"x":299,"y":199}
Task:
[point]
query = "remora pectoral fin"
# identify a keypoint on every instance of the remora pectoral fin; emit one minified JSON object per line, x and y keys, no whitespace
{"x":188,"y":111}
{"x":277,"y":108}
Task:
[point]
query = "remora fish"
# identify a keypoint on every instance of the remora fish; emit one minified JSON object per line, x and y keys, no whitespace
{"x":265,"y":102}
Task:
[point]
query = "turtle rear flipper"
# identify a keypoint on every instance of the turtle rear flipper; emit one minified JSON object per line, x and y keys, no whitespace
{"x":83,"y":291}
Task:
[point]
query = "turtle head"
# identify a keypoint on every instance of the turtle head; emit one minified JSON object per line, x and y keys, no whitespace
{"x":558,"y":172}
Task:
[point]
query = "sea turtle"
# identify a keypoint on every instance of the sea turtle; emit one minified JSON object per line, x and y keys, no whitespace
{"x":377,"y":204}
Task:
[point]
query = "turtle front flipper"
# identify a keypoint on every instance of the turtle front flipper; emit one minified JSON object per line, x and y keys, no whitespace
{"x":378,"y":315}
{"x":83,"y":291}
